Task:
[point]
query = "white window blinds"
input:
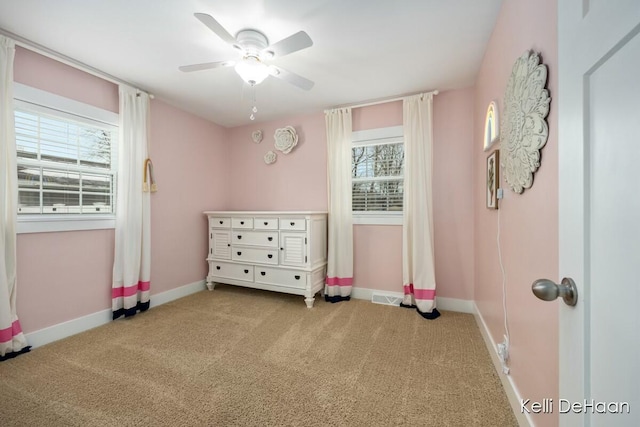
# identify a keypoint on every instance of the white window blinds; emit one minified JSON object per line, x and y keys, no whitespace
{"x":66,"y":163}
{"x":377,"y":172}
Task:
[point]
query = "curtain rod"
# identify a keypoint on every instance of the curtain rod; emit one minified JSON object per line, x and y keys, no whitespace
{"x":49,"y":53}
{"x":382,"y":101}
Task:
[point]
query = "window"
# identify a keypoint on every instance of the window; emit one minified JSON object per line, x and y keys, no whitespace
{"x":377,"y":160}
{"x":66,"y":158}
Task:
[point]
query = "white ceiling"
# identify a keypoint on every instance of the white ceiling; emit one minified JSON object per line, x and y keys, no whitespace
{"x":362,"y":49}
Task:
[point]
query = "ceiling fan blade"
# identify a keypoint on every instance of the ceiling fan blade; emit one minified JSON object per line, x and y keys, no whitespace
{"x":205,"y":66}
{"x":293,"y":43}
{"x":215,"y":26}
{"x":290,"y":77}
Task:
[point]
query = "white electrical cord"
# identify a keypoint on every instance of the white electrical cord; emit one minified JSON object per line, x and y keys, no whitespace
{"x":505,"y":369}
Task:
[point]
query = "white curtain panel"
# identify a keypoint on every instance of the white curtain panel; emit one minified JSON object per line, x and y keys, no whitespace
{"x":340,"y":250}
{"x":12,"y":340}
{"x":132,"y":262}
{"x":418,"y":271}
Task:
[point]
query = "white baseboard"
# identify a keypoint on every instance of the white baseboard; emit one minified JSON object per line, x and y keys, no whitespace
{"x":455,"y":304}
{"x":366,"y":293}
{"x":524,"y":419}
{"x":177,"y":293}
{"x":66,"y":329}
{"x":449,"y":304}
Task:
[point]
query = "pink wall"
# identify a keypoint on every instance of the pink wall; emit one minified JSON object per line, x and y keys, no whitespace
{"x":298,"y":181}
{"x":43,"y":73}
{"x":63,"y":276}
{"x":453,"y":193}
{"x":529,"y":222}
{"x":377,"y":116}
{"x":190,"y":159}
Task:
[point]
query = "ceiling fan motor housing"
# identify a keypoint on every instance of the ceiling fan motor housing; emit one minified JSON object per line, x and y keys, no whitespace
{"x":252,"y":42}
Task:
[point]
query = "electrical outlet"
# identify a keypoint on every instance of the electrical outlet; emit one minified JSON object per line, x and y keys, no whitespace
{"x":500,"y":193}
{"x":503,"y":349}
{"x":503,"y":354}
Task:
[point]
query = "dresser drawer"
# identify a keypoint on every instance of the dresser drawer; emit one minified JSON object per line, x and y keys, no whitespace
{"x":242,"y":223}
{"x":227,"y":270}
{"x":293,"y":224}
{"x":280,"y":277}
{"x":265,"y":223}
{"x":256,"y":238}
{"x":219,"y":222}
{"x":260,"y":255}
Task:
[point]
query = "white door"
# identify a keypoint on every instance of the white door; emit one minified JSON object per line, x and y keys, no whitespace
{"x":599,"y":217}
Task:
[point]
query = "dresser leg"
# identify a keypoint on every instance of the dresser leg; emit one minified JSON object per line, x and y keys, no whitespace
{"x":309,"y":301}
{"x":210,"y":285}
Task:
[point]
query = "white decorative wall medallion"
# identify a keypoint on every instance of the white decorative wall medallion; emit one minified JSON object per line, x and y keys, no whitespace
{"x":256,"y":136}
{"x":285,"y":139}
{"x":270,"y":157}
{"x":524,"y":128}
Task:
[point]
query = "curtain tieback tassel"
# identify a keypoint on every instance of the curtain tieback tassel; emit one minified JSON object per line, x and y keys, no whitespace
{"x":148,"y":166}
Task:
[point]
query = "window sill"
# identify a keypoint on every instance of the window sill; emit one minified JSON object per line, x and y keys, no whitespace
{"x":378,"y":219}
{"x":39,"y":224}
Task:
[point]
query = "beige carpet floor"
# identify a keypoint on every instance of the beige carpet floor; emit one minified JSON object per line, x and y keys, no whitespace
{"x":242,"y":357}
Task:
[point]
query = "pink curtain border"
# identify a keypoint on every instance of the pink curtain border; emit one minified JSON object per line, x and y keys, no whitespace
{"x":420,"y":294}
{"x":127,"y":291}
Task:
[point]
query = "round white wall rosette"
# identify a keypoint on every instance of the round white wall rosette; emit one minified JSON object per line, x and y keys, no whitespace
{"x":285,"y":139}
{"x":270,"y":157}
{"x":256,"y":136}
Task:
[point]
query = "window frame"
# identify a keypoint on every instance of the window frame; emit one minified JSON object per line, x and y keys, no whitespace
{"x":378,"y":136}
{"x":41,"y":101}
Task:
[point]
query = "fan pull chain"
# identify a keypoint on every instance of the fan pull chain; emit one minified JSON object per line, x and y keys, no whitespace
{"x":254,"y":109}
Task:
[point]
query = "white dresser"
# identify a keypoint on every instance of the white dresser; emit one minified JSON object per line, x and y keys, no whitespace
{"x":275,"y":251}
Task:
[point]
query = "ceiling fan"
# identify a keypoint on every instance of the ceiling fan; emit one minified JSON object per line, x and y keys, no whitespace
{"x":256,"y":52}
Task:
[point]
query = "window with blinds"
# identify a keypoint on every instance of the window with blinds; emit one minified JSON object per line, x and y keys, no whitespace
{"x":66,"y":164}
{"x":377,"y":174}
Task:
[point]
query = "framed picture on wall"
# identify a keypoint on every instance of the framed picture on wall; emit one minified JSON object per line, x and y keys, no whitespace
{"x":493,"y":180}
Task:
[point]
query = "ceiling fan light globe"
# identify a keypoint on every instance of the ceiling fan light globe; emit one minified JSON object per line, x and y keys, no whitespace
{"x":252,"y":70}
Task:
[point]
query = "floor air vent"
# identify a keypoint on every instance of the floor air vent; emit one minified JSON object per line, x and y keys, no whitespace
{"x":385,"y":299}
